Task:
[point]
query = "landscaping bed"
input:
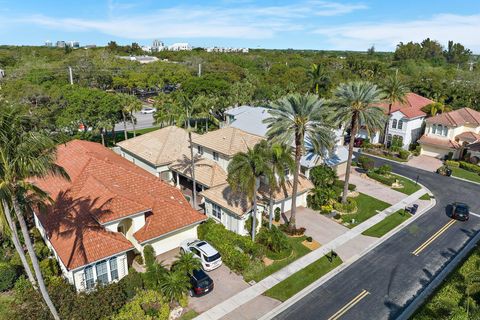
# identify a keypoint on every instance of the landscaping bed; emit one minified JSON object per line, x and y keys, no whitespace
{"x":367,"y":207}
{"x":301,"y":279}
{"x":387,"y":224}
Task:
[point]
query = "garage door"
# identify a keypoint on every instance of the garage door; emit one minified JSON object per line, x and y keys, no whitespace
{"x":434,"y":152}
{"x":173,"y":241}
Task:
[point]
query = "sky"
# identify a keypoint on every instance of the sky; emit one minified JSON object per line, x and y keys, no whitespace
{"x":310,"y":24}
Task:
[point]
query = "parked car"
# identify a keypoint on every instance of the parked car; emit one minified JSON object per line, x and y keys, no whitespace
{"x":201,"y":283}
{"x":460,"y":211}
{"x":148,"y":110}
{"x":358,"y":142}
{"x":444,"y":171}
{"x":208,"y":255}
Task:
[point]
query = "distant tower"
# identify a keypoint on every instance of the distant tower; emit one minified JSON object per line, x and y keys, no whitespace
{"x":157,"y":45}
{"x":48,"y":43}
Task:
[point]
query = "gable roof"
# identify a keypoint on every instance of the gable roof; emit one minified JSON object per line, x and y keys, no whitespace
{"x":250,"y":119}
{"x":412,"y":106}
{"x":439,"y":142}
{"x":159,"y":147}
{"x":105,"y":187}
{"x":468,"y":136}
{"x":228,"y":141}
{"x":457,"y":118}
{"x":207,"y":172}
{"x":224,"y":196}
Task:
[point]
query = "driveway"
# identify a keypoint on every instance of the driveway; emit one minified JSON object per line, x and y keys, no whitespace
{"x":375,"y":189}
{"x":227,"y":284}
{"x":319,"y":227}
{"x":425,"y":163}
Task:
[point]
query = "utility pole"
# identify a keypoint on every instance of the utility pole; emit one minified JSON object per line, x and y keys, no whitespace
{"x":199,"y":69}
{"x":70,"y":74}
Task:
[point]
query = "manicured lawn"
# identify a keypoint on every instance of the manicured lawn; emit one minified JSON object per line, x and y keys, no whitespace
{"x":397,"y":159}
{"x":367,"y":207}
{"x":409,"y":186}
{"x":5,"y":300}
{"x":387,"y":224}
{"x":464,"y":174}
{"x":426,"y":196}
{"x":259,"y":271}
{"x":190,"y":314}
{"x":301,"y":279}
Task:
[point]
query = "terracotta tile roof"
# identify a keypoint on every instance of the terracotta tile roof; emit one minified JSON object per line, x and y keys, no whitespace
{"x":457,"y":118}
{"x":207,"y":172}
{"x":159,"y":147}
{"x":468,"y":136}
{"x":286,"y":191}
{"x":474,"y":146}
{"x":228,"y":141}
{"x":105,"y":187}
{"x":412,"y":106}
{"x":224,"y":196}
{"x":439,"y":142}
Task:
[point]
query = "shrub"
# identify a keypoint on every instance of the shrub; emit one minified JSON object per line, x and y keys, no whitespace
{"x":349,"y":207}
{"x":49,"y":267}
{"x":139,"y":259}
{"x":403,"y":154}
{"x":384,"y":169}
{"x":292,"y":232}
{"x":452,"y":163}
{"x":319,"y":197}
{"x":470,"y":167}
{"x":132,"y":282}
{"x":248,"y":225}
{"x":417,"y":151}
{"x":337,"y":216}
{"x":449,"y":156}
{"x":323,"y":176}
{"x":277,"y":214}
{"x":396,"y":144}
{"x":340,"y":184}
{"x":149,"y":255}
{"x":36,"y":235}
{"x":366,"y":163}
{"x":326,"y":209}
{"x":273,"y":239}
{"x":309,"y":239}
{"x":389,"y":181}
{"x":41,"y":250}
{"x":148,"y":304}
{"x":8,"y":275}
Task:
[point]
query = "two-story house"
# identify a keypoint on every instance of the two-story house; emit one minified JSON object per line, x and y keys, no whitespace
{"x":109,"y":210}
{"x":450,"y":133}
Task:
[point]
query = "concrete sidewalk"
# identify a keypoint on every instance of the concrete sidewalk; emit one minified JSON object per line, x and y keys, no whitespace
{"x":229,"y":305}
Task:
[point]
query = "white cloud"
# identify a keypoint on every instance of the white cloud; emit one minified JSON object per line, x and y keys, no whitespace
{"x":386,"y":35}
{"x":246,"y":22}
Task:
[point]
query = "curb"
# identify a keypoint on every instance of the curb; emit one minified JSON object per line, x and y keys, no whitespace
{"x":289,"y":302}
{"x":466,"y":180}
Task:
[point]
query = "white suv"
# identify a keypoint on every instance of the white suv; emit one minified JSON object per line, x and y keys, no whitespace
{"x":208,"y":255}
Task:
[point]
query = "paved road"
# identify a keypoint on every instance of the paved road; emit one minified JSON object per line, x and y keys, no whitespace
{"x":143,"y":121}
{"x":380,"y":284}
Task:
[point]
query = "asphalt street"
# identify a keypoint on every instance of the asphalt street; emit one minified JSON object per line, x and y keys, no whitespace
{"x":381,"y":283}
{"x":143,"y":121}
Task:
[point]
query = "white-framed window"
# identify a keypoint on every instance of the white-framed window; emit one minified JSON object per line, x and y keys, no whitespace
{"x":434,"y":129}
{"x":400,"y":125}
{"x":199,"y":149}
{"x":445,"y":131}
{"x":113,"y":269}
{"x":215,"y":156}
{"x":89,"y":280}
{"x":394,"y":123}
{"x":102,"y":272}
{"x":216,"y":211}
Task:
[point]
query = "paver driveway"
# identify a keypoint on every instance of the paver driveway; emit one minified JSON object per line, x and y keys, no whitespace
{"x":319,"y":227}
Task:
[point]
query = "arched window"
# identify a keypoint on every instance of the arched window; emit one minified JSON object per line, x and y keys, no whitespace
{"x":394,"y":124}
{"x":400,"y":124}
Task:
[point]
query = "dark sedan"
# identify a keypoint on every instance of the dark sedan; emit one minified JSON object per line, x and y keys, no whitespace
{"x":460,"y":211}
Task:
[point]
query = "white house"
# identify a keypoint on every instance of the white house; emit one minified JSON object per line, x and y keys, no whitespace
{"x":108,"y":212}
{"x":181,"y":46}
{"x":450,"y":132}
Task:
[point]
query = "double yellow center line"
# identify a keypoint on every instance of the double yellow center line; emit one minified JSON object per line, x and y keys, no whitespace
{"x":349,"y":305}
{"x":437,"y":234}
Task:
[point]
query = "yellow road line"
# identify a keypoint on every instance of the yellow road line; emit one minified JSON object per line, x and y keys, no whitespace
{"x":349,"y":305}
{"x":437,"y":234}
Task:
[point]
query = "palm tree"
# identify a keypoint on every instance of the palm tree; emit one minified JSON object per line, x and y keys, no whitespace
{"x":244,"y":172}
{"x":186,"y":263}
{"x":279,"y":159}
{"x":174,"y":285}
{"x":394,"y":90}
{"x":130,"y":104}
{"x":23,"y":155}
{"x":319,"y":78}
{"x":354,"y":106}
{"x":295,"y":118}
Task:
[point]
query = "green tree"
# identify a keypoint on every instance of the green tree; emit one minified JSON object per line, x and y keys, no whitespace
{"x":129,"y":105}
{"x":295,"y":118}
{"x":186,"y":263}
{"x":319,"y":79}
{"x":244,"y":172}
{"x":354,"y":106}
{"x":174,"y":285}
{"x":25,"y":154}
{"x":394,"y":91}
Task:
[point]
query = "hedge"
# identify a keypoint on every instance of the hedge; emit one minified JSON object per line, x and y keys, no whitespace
{"x":8,"y":275}
{"x":340,"y":184}
{"x":452,"y":163}
{"x":349,"y":207}
{"x":366,"y":162}
{"x":389,"y":181}
{"x":403,"y":154}
{"x":470,"y":167}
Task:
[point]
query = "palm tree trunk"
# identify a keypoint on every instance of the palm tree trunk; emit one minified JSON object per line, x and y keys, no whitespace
{"x":385,"y":131}
{"x":353,"y":132}
{"x":133,"y":124}
{"x":194,"y":187}
{"x":254,"y":218}
{"x":17,"y":244}
{"x":298,"y":155}
{"x":33,"y":258}
{"x":270,"y":214}
{"x":125,"y":125}
{"x":102,"y":134}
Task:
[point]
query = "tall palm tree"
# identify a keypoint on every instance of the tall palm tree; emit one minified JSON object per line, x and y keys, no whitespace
{"x":354,"y":106}
{"x":244,"y":172}
{"x":394,"y":90}
{"x":130,"y":104}
{"x":293,"y":119}
{"x":174,"y":285}
{"x":318,"y":77}
{"x":186,"y":263}
{"x":279,"y":159}
{"x":25,"y":154}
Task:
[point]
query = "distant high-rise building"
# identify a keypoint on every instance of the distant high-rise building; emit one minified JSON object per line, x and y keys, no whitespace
{"x":48,"y":43}
{"x":60,"y":44}
{"x":73,"y":44}
{"x":157,"y":45}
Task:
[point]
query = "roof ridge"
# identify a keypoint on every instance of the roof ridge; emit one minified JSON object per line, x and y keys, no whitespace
{"x":164,"y":143}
